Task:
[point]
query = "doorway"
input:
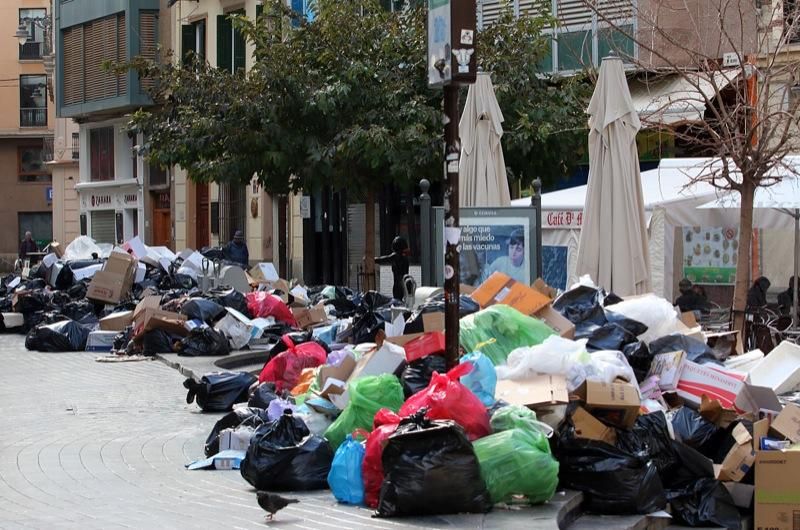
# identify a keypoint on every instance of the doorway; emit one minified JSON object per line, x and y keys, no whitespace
{"x":162,"y":220}
{"x":202,"y":229}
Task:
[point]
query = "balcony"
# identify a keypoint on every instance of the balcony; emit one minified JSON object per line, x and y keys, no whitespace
{"x":76,"y":146}
{"x":48,"y":152}
{"x":30,"y":51}
{"x":33,"y":117}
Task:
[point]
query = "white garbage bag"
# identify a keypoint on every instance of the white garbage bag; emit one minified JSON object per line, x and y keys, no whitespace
{"x":654,"y":312}
{"x":81,"y":248}
{"x":554,"y":356}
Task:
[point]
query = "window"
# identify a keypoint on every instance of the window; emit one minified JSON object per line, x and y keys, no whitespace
{"x":31,"y":166}
{"x":101,"y":153}
{"x":39,"y":224}
{"x":158,"y":176}
{"x":790,"y":22}
{"x":34,"y":47}
{"x":194,"y":40}
{"x":33,"y":101}
{"x":230,"y":44}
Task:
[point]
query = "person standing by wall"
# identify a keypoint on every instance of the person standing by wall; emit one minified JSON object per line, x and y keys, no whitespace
{"x":236,"y":251}
{"x":27,"y":246}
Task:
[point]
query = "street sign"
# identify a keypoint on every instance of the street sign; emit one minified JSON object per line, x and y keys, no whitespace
{"x":451,"y":42}
{"x":305,"y":207}
{"x":49,"y":194}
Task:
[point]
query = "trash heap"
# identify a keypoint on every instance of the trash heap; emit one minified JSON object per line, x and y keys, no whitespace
{"x":625,"y":400}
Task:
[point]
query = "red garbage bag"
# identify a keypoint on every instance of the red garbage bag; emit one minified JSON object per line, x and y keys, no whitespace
{"x":447,"y":399}
{"x":383,"y":426}
{"x":262,"y":305}
{"x":286,"y":368}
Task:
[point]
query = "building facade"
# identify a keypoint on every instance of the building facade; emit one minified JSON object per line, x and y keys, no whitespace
{"x":27,"y":117}
{"x":117,"y":195}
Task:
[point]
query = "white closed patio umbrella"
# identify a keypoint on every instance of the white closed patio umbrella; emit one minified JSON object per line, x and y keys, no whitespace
{"x":482,"y":171}
{"x":613,"y":247}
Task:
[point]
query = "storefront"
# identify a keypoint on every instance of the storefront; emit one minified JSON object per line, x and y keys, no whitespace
{"x":111,"y":214}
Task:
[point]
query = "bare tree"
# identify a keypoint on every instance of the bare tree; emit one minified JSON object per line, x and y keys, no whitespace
{"x":730,"y":62}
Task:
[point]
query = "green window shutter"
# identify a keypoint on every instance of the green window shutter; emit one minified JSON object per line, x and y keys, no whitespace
{"x":239,"y":45}
{"x":224,"y":43}
{"x":259,"y":10}
{"x":188,"y":42}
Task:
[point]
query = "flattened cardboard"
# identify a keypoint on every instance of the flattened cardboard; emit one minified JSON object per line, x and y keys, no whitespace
{"x":117,"y":321}
{"x":590,"y":428}
{"x":534,"y":392}
{"x":148,"y":316}
{"x":556,"y":321}
{"x":777,"y":496}
{"x":384,"y":360}
{"x":787,"y":424}
{"x":667,"y":366}
{"x":614,"y":403}
{"x":500,"y":288}
{"x":739,"y":459}
{"x":340,"y":372}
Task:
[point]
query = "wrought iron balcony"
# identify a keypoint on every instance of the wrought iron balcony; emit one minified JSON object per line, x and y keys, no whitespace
{"x":33,"y":117}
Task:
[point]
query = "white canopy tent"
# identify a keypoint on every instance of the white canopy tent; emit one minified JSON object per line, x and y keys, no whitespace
{"x":669,"y":204}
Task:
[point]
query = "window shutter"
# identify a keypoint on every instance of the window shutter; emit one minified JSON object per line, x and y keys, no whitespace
{"x":188,"y":40}
{"x":239,"y":50}
{"x":259,"y":10}
{"x":72,"y":68}
{"x":224,"y":38}
{"x":148,"y":42}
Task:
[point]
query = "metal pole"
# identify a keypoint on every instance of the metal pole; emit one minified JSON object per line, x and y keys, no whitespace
{"x":451,"y":222}
{"x":426,"y":226}
{"x":536,"y":202}
{"x":794,"y":276}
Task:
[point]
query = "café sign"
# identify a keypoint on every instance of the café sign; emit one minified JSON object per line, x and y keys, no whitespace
{"x":109,"y":200}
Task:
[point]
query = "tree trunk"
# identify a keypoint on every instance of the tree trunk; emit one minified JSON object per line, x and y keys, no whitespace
{"x":369,"y":242}
{"x":744,"y":256}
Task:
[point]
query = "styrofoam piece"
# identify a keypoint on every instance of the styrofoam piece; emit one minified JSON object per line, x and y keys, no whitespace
{"x":141,"y":272}
{"x":185,"y":253}
{"x":101,"y":341}
{"x":86,"y":272}
{"x":194,"y":260}
{"x":13,"y":320}
{"x":49,"y":260}
{"x":745,"y":362}
{"x":780,"y":370}
{"x":137,"y":246}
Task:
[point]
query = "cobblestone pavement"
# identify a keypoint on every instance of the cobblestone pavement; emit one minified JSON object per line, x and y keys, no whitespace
{"x":96,"y":445}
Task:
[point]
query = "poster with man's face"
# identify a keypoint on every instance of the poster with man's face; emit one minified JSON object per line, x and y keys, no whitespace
{"x":490,"y":245}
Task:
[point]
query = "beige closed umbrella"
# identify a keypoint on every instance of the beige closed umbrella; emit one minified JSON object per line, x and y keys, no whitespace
{"x":613,"y":247}
{"x":482,"y":169}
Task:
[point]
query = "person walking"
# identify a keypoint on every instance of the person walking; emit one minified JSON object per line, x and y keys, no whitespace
{"x":28,"y":245}
{"x":236,"y":250}
{"x":399,"y":262}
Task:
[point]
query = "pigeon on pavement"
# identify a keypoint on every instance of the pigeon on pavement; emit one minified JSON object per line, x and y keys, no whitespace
{"x":272,"y":503}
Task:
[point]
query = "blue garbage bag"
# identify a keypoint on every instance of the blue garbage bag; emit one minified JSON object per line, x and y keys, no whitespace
{"x":345,"y":477}
{"x":482,"y":380}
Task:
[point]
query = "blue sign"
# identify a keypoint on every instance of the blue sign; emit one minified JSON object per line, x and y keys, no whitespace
{"x":49,"y":194}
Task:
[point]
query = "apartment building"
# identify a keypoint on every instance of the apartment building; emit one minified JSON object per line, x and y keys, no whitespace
{"x":27,"y":117}
{"x":118,"y":195}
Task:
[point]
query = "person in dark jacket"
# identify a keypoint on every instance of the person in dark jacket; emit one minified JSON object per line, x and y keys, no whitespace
{"x":28,"y":245}
{"x":786,"y":298}
{"x":757,"y":295}
{"x":690,"y":299}
{"x":236,"y":251}
{"x":399,"y":262}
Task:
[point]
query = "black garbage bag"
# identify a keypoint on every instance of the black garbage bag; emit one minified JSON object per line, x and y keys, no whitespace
{"x":158,"y":341}
{"x":77,"y":310}
{"x":284,"y":456}
{"x":202,"y":309}
{"x":60,"y":299}
{"x":614,"y":481}
{"x":204,"y":342}
{"x":582,"y":305}
{"x":36,"y":284}
{"x":696,"y":351}
{"x":213,"y":253}
{"x":650,"y":438}
{"x":77,"y":291}
{"x":417,"y":374}
{"x":32,"y":301}
{"x":695,"y":431}
{"x":634,"y":327}
{"x":466,"y":306}
{"x":229,"y":297}
{"x":430,"y":468}
{"x":639,"y":357}
{"x":122,"y":339}
{"x":250,"y":416}
{"x":366,"y":327}
{"x":219,"y":391}
{"x":63,"y":336}
{"x":5,"y":304}
{"x":609,"y":337}
{"x":263,"y":395}
{"x":296,"y":337}
{"x":704,"y":502}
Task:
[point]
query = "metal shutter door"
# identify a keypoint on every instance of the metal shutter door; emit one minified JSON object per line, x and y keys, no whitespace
{"x":103,"y":224}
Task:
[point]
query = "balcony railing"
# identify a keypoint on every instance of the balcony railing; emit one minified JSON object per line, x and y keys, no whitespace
{"x":76,"y":146}
{"x":33,"y":117}
{"x":30,"y":51}
{"x":48,"y":153}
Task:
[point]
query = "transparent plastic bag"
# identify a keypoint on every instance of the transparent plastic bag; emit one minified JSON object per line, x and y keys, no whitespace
{"x":482,"y":379}
{"x":553,"y":356}
{"x":82,"y":247}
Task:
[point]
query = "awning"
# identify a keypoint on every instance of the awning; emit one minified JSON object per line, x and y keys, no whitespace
{"x":675,"y":98}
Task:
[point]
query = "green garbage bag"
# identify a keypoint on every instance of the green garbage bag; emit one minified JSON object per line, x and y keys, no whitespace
{"x":516,"y":417}
{"x":509,"y":328}
{"x":367,"y":396}
{"x":517,"y":462}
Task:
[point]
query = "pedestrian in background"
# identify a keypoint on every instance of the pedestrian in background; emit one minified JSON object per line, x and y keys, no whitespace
{"x":28,"y":245}
{"x":236,"y":251}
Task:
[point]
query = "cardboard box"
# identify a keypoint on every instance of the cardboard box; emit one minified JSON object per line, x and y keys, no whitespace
{"x":500,"y":288}
{"x":115,"y":280}
{"x":716,"y":383}
{"x":264,"y":272}
{"x":780,"y":370}
{"x":429,"y":343}
{"x":590,"y":428}
{"x":235,"y":439}
{"x":534,"y":392}
{"x":236,"y":327}
{"x":726,"y":343}
{"x":558,"y":322}
{"x":739,"y":459}
{"x":668,"y":367}
{"x":384,"y":360}
{"x":340,"y":372}
{"x":742,"y":494}
{"x":614,"y":403}
{"x":430,"y":322}
{"x":148,"y":315}
{"x":787,"y":424}
{"x":117,"y":321}
{"x":777,"y":496}
{"x":308,"y":317}
{"x":688,"y":326}
{"x":540,"y":286}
